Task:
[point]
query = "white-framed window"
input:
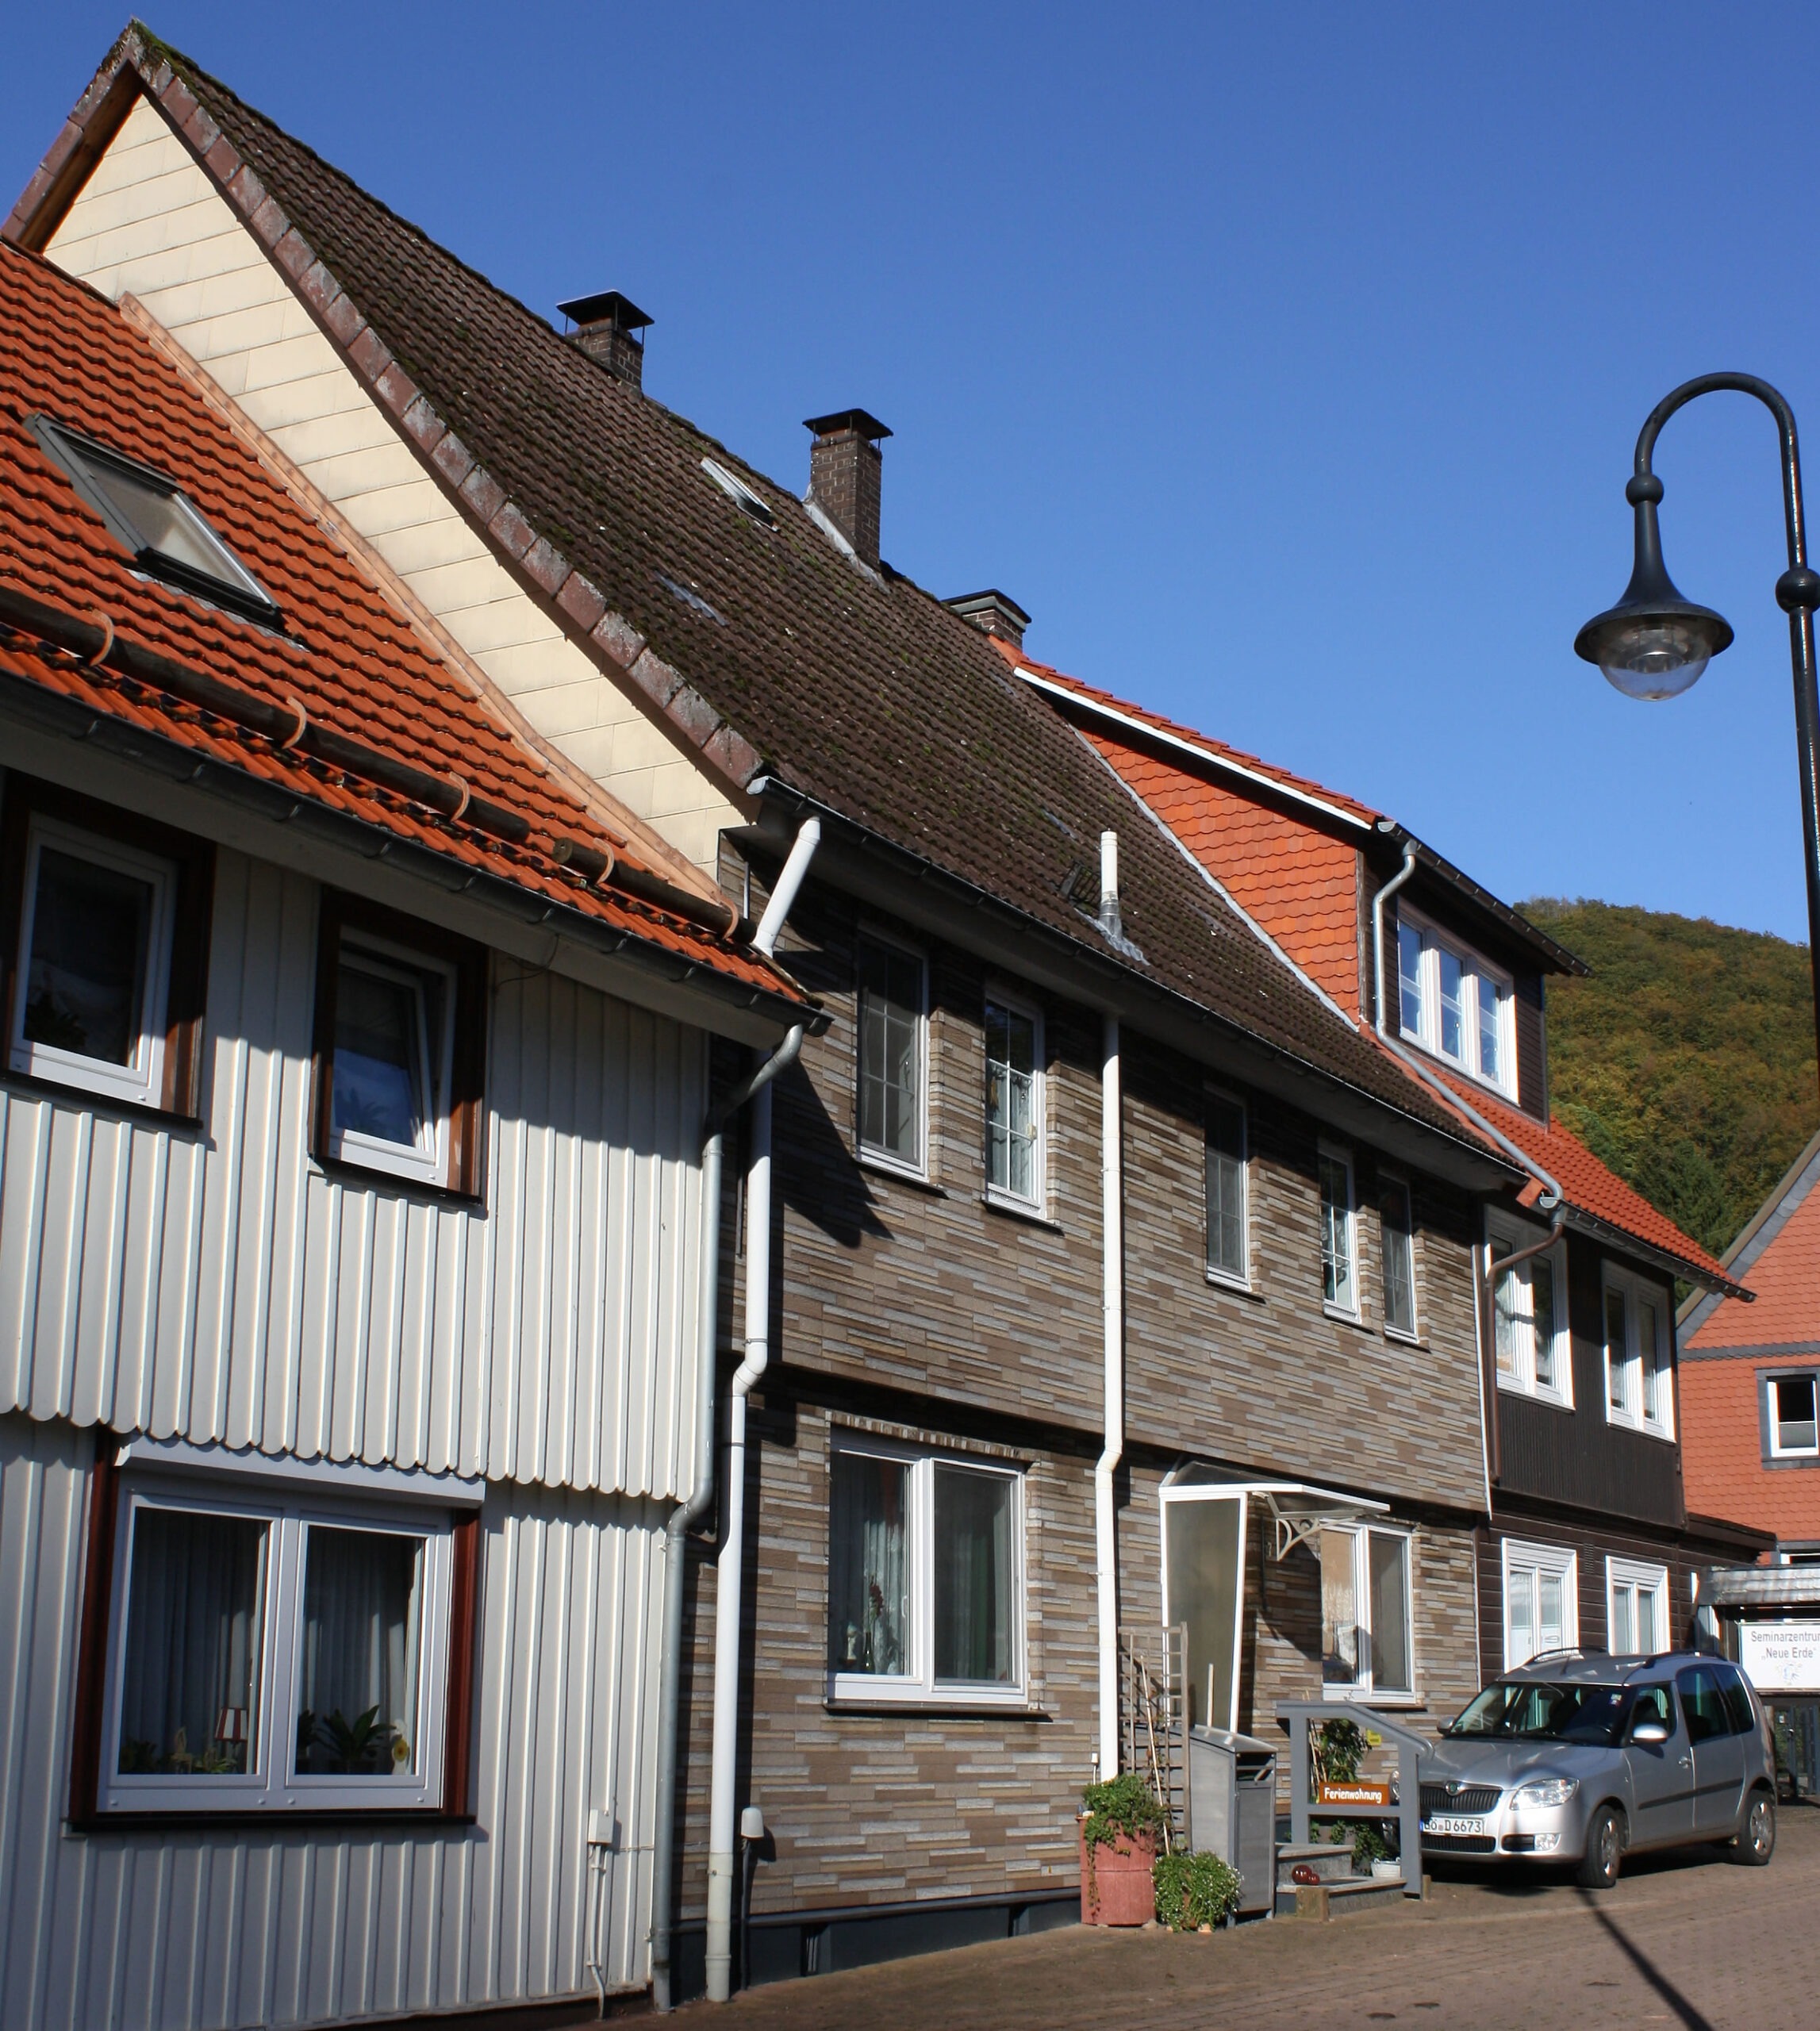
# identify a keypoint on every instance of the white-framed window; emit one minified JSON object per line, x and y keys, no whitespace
{"x":1455,"y":1004}
{"x":1014,"y":1101}
{"x":92,"y":971}
{"x":1339,"y":1240}
{"x":926,"y":1574}
{"x":1790,"y":1422}
{"x":1541,"y":1603}
{"x":1396,"y":1233}
{"x":1636,"y":1608}
{"x":273,"y":1651}
{"x":1638,"y":1392}
{"x":1529,"y":1317}
{"x":1228,"y":1248}
{"x":394,"y":1051}
{"x":1368,"y":1642}
{"x":893,"y":1055}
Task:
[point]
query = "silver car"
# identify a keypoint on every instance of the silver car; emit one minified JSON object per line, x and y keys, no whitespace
{"x":1583,"y":1758}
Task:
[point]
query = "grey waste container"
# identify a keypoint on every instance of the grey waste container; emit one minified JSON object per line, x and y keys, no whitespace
{"x":1232,"y":1808}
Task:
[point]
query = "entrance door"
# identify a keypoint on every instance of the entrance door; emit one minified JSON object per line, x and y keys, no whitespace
{"x":1662,"y":1773}
{"x":1204,"y":1586}
{"x":1718,"y":1754}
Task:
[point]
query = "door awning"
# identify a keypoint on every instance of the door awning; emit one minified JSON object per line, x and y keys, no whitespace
{"x":1298,"y":1509}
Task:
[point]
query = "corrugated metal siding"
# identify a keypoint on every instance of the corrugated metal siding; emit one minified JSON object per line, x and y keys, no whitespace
{"x":226,"y":1927}
{"x":219,"y":1287}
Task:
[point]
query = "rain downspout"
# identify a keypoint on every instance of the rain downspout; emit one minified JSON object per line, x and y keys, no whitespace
{"x":1553,"y":1201}
{"x":687,"y":1514}
{"x":1112,"y":1256}
{"x":729,"y":1568}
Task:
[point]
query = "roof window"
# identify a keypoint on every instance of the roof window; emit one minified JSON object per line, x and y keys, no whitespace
{"x":739,"y":493}
{"x":148,"y":512}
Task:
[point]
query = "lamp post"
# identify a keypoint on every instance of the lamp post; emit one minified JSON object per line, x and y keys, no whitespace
{"x":1654,"y":644}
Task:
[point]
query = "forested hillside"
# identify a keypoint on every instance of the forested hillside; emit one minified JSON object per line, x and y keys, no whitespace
{"x":1686,"y":1062}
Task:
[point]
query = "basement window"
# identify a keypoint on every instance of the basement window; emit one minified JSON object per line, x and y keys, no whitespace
{"x":150,"y":515}
{"x":739,"y":493}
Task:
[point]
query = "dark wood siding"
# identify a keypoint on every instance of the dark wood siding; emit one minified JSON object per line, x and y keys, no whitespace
{"x":1532,"y":1046}
{"x":1575,"y":1457}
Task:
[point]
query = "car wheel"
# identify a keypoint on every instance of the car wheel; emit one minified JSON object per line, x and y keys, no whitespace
{"x":1756,"y":1845}
{"x":1604,"y":1850}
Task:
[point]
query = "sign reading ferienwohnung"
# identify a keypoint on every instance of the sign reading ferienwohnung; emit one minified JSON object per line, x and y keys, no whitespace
{"x":1780,"y":1656}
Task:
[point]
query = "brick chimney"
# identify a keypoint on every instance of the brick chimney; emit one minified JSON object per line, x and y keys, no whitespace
{"x":845,"y":465}
{"x":994,"y":612}
{"x":610,"y":327}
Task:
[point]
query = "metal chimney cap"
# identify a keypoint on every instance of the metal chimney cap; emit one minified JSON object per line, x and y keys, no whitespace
{"x":607,"y":308}
{"x":860,"y":421}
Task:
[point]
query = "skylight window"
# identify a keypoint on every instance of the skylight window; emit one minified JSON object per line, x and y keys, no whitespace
{"x":739,"y":493}
{"x":150,"y":515}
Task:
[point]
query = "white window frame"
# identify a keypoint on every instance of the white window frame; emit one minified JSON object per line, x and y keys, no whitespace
{"x":1475,"y":967}
{"x":140,"y":1082}
{"x":1638,"y":1578}
{"x":996,"y":997}
{"x":425,"y":1162}
{"x":1523,"y":1381}
{"x":1239,"y":1279}
{"x":273,"y":1784}
{"x":1365,"y":1688}
{"x":1334,"y":1152}
{"x":920,"y":1685}
{"x":1633,"y":1416}
{"x":1777,"y":1449}
{"x":1388,"y":1181}
{"x":1558,"y":1561}
{"x":873,"y":1153}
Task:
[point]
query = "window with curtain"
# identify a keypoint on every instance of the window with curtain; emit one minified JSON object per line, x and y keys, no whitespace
{"x":271,"y":1657}
{"x":1793,"y":1427}
{"x":1454,"y":1003}
{"x":1639,"y":1390}
{"x":1367,"y":1646}
{"x":926,"y":1582}
{"x":1339,"y":1272}
{"x":1637,"y":1608}
{"x":1396,"y":1227}
{"x":1528,"y":1321}
{"x":1226,"y":1254}
{"x":1541,"y":1610}
{"x":891,"y":1021}
{"x":1014,"y":1103}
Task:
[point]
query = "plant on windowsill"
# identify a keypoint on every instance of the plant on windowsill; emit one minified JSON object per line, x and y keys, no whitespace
{"x":1194,"y":1893}
{"x":1120,"y":1831}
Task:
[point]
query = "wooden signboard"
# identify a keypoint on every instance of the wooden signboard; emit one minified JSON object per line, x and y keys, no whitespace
{"x":1353,"y":1794}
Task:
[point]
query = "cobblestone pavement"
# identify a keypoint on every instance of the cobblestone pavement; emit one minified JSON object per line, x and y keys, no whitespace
{"x":1686,"y":1940}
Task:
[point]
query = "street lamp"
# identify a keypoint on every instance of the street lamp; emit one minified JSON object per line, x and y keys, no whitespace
{"x":1654,"y":643}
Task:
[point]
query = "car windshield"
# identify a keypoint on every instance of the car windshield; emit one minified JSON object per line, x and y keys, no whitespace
{"x":1539,"y":1712}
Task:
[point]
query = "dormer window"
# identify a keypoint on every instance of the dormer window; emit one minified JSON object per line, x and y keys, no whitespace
{"x":149,"y":514}
{"x":1455,"y":1004}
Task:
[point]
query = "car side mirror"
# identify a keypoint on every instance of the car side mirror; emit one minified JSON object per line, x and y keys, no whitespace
{"x":1652,"y":1735}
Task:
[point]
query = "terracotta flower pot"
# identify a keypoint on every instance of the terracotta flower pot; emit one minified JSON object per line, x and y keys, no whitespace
{"x":1116,"y":1884}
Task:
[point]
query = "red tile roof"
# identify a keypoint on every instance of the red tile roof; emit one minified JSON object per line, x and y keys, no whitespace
{"x":1783,"y":1269}
{"x":1297,"y":875}
{"x":351,"y":660}
{"x":1722,"y":1454}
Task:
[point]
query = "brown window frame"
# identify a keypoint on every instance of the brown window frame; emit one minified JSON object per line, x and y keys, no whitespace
{"x":89,"y":1706}
{"x":464,"y":1177}
{"x":186,"y":994}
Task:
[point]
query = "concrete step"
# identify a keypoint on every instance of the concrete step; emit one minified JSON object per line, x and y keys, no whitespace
{"x":1325,"y":1901}
{"x":1331,"y":1863}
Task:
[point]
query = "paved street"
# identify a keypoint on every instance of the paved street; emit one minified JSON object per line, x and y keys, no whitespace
{"x":1683,"y":1940}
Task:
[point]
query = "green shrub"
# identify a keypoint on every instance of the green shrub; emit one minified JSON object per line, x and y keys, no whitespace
{"x":1193,"y":1890}
{"x":1373,"y":1840}
{"x":1122,"y":1805}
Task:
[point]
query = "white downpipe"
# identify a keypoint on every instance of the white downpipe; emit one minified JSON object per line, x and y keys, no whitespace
{"x":729,"y":1568}
{"x":1112,"y":1249}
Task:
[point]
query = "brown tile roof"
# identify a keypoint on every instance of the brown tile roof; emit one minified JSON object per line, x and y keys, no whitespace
{"x":765,"y":647}
{"x":347,"y":657}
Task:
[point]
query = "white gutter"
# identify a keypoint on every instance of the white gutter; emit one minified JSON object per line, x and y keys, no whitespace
{"x":729,"y":1568}
{"x":1112,"y":1258}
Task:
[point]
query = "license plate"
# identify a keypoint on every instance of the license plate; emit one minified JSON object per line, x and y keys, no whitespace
{"x":1444,"y":1825}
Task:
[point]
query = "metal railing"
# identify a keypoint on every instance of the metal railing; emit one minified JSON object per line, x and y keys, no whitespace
{"x":1297,"y":1715}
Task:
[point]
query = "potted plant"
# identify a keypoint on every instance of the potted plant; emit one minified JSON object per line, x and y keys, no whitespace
{"x":1120,"y":1832}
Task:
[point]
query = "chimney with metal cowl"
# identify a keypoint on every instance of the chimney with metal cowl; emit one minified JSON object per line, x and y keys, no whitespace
{"x":994,"y":612}
{"x":846,"y":467}
{"x":610,"y":327}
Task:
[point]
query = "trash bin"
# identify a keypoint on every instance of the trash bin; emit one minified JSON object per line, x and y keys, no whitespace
{"x":1232,"y":1808}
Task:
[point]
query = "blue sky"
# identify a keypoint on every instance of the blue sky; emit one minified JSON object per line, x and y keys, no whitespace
{"x":1284,"y":363}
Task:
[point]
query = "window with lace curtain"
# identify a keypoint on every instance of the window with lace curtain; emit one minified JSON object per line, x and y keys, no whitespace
{"x":275,"y":1653}
{"x":926,"y":1579}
